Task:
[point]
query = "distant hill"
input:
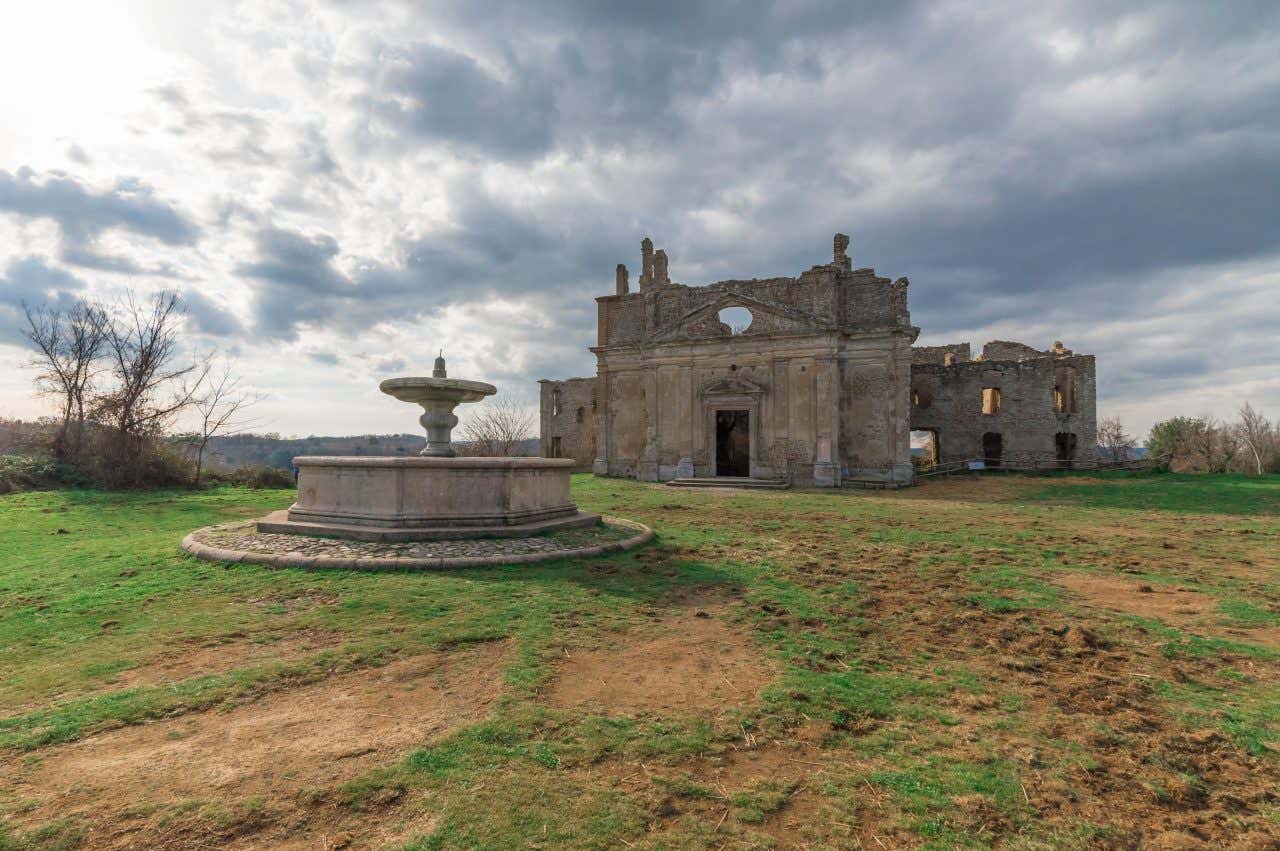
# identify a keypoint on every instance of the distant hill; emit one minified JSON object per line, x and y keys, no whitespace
{"x":236,"y":450}
{"x":274,"y":451}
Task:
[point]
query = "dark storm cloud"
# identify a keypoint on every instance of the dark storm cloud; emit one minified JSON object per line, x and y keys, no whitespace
{"x":33,"y":282}
{"x":323,"y":358}
{"x":1043,"y":166}
{"x":440,"y":94}
{"x":298,"y":282}
{"x":493,"y":250}
{"x":208,"y":317}
{"x":82,"y":212}
{"x":563,"y":76}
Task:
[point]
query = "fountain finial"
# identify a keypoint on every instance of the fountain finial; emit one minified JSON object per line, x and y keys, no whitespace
{"x":438,"y":371}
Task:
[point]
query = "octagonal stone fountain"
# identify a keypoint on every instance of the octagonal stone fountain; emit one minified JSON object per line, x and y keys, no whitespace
{"x":435,"y":495}
{"x":435,"y":510}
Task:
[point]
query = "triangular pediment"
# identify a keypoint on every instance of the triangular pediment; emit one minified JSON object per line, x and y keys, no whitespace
{"x":703,"y":322}
{"x":733,"y":385}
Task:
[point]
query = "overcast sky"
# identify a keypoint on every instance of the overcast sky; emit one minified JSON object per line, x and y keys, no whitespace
{"x":340,"y":189}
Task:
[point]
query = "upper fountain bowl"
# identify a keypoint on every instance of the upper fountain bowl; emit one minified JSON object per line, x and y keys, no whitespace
{"x":418,"y":390}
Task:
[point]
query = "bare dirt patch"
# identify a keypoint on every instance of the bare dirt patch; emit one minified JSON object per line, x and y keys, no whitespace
{"x":198,"y":658}
{"x":313,"y":737}
{"x":693,"y":661}
{"x":1179,"y":607}
{"x":1182,"y":605}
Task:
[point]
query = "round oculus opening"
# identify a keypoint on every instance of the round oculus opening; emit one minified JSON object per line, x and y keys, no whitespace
{"x":737,"y":318}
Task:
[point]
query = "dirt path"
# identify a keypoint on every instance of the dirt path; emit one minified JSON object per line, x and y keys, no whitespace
{"x":313,"y":737}
{"x":694,"y":661}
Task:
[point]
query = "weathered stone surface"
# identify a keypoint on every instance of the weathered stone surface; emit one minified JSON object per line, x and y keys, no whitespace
{"x":426,"y":492}
{"x":825,"y":371}
{"x":240,"y":542}
{"x":278,"y":522}
{"x":667,"y":366}
{"x":438,"y":395}
{"x":1047,"y":403}
{"x":568,"y":420}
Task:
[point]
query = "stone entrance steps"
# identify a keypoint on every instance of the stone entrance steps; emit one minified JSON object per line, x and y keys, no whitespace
{"x":729,"y":482}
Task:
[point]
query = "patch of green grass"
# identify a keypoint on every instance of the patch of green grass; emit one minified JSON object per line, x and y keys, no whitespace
{"x":1179,"y":493}
{"x":93,"y":584}
{"x":59,"y":835}
{"x":1242,"y":614}
{"x":1250,"y":715}
{"x":928,"y":793}
{"x":764,"y":798}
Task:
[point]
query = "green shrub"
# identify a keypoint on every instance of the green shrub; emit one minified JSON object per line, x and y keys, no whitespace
{"x":33,"y":472}
{"x":253,"y":476}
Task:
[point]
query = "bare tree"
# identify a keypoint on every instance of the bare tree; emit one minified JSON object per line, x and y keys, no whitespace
{"x":69,"y":345}
{"x":151,"y":385}
{"x":221,"y":407}
{"x":1258,"y":436}
{"x":1215,"y":443}
{"x":1115,"y":444}
{"x":497,"y":428}
{"x":151,"y":389}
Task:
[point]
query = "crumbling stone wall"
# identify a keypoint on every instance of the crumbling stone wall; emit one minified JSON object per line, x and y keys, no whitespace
{"x":1042,"y":395}
{"x":666,"y":363}
{"x":825,"y":369}
{"x":957,"y":352}
{"x":567,"y":418}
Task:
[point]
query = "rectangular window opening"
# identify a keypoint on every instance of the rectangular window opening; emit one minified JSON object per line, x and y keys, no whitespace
{"x":990,"y":400}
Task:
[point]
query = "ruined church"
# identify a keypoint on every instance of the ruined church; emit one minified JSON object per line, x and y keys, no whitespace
{"x":816,"y":382}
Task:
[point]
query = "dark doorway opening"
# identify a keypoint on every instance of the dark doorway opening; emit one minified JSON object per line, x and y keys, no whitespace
{"x":992,"y":448}
{"x":733,"y":443}
{"x":1066,"y":446}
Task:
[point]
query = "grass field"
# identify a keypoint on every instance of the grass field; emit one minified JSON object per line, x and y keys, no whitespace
{"x":1019,"y":662}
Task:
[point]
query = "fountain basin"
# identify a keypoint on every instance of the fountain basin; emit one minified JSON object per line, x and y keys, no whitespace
{"x":438,"y":396}
{"x":425,"y":498}
{"x":422,"y":389}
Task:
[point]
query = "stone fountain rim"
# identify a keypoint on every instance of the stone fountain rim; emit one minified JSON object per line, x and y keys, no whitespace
{"x":464,"y":463}
{"x":426,"y":381}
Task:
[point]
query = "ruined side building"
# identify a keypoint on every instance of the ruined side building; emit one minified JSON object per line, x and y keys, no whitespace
{"x":819,"y":385}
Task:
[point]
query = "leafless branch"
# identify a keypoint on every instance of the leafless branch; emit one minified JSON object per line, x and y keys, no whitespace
{"x":220,"y":408}
{"x":497,"y":428}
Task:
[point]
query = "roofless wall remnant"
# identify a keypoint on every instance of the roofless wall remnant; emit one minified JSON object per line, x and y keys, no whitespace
{"x":815,"y":380}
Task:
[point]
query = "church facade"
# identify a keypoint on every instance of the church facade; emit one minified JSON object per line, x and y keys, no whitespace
{"x":808,"y":379}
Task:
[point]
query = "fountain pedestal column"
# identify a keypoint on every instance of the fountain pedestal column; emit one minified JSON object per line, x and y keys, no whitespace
{"x":439,"y":422}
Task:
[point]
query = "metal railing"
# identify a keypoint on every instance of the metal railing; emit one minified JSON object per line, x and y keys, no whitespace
{"x":1038,"y":465}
